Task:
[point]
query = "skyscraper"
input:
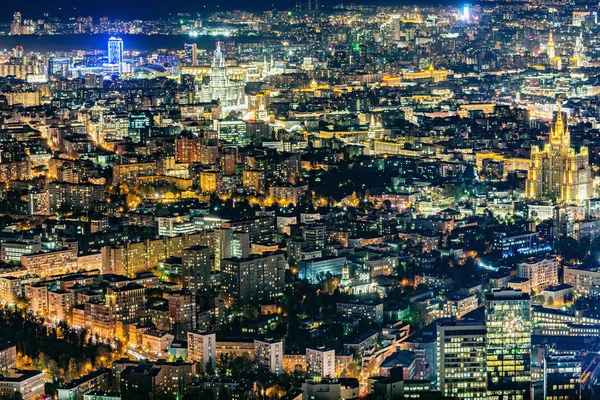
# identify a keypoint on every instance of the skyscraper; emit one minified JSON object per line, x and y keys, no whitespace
{"x":550,"y":50}
{"x":508,"y":344}
{"x":15,"y":26}
{"x":557,"y":170}
{"x":190,"y":56}
{"x":461,"y":362}
{"x":115,"y":52}
{"x":220,"y":87}
{"x":196,"y":267}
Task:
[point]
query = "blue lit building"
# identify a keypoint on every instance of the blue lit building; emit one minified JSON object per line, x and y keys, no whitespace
{"x":115,"y":52}
{"x":319,"y":269}
{"x":59,"y":66}
{"x":527,"y":243}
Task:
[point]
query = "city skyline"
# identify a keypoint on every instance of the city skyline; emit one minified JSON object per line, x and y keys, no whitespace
{"x":316,"y":202}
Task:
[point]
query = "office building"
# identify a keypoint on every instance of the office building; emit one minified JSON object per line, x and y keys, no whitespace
{"x":508,"y":344}
{"x":562,"y":377}
{"x":115,"y":53}
{"x":461,"y":359}
{"x":321,"y":268}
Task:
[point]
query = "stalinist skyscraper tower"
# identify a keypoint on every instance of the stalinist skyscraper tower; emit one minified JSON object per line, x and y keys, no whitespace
{"x":557,"y":171}
{"x":221,"y":87}
{"x":550,"y":50}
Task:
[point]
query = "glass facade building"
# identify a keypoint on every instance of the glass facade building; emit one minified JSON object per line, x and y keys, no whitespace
{"x":508,"y":344}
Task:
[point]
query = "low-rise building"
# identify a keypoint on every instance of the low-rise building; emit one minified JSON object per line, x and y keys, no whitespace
{"x":94,"y":381}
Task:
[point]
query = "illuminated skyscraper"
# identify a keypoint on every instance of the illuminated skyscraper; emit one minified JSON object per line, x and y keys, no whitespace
{"x":579,"y":58}
{"x":557,"y":171}
{"x":461,"y":362}
{"x":220,"y":87}
{"x":15,"y":26}
{"x":550,"y":50}
{"x":467,"y":12}
{"x":190,"y":56}
{"x":508,"y":344}
{"x":115,"y":52}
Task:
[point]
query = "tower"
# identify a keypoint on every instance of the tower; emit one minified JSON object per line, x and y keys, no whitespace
{"x":550,"y":50}
{"x":190,"y":54}
{"x":115,"y":52}
{"x":221,"y":87}
{"x":579,"y":51}
{"x":15,"y":26}
{"x":557,"y":170}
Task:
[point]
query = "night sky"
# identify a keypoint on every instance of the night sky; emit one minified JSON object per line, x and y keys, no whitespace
{"x":129,"y":9}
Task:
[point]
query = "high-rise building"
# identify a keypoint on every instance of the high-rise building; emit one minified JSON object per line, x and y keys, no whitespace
{"x":221,"y":87}
{"x":94,"y":81}
{"x":557,"y":170}
{"x":187,"y":150}
{"x":315,"y":234}
{"x":190,"y":54}
{"x":541,"y":272}
{"x":59,"y":66}
{"x":202,"y":348}
{"x":127,"y":302}
{"x":320,"y":362}
{"x":550,"y":50}
{"x":253,"y":278}
{"x":508,"y":344}
{"x":115,"y":52}
{"x":79,"y":197}
{"x":196,"y":267}
{"x":254,"y":181}
{"x":17,"y":22}
{"x":18,"y":52}
{"x":562,"y":377}
{"x":268,"y":354}
{"x":461,"y":361}
{"x":182,"y":312}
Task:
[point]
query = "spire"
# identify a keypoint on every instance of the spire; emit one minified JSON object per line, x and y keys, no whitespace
{"x":218,"y":60}
{"x":550,"y":47}
{"x":559,"y":133}
{"x":218,"y":52}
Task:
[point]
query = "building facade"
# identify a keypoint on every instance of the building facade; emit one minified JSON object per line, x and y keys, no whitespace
{"x":557,"y":170}
{"x":508,"y":344}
